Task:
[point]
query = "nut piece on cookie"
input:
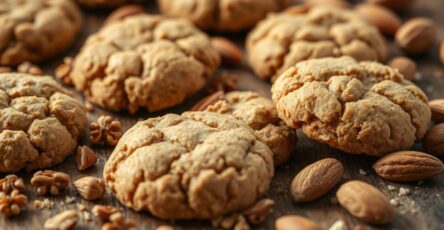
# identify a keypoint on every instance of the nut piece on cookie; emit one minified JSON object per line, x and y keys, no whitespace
{"x":260,"y":114}
{"x":198,"y":165}
{"x":282,"y":40}
{"x":40,"y":122}
{"x":355,"y":107}
{"x":144,"y":61}
{"x":221,"y":15}
{"x":37,"y":30}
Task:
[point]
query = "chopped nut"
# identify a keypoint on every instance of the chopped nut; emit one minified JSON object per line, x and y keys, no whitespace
{"x":38,"y":204}
{"x":63,"y":71}
{"x":11,"y":204}
{"x":105,"y":130}
{"x":338,"y":225}
{"x":81,"y":207}
{"x":86,"y":215}
{"x":50,"y":181}
{"x":403,"y":191}
{"x":28,"y":67}
{"x":113,"y":217}
{"x":394,"y":202}
{"x":104,"y":212}
{"x":391,"y":187}
{"x":223,"y":82}
{"x":208,"y":101}
{"x":362,"y":172}
{"x":62,"y":221}
{"x":89,"y":107}
{"x":233,"y":221}
{"x":69,"y":200}
{"x":85,"y":157}
{"x":90,"y":188}
{"x":259,"y":211}
{"x":11,"y":182}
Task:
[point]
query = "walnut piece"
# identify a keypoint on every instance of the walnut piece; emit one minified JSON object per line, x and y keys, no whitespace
{"x":63,"y":221}
{"x":63,"y":71}
{"x":12,"y":182}
{"x":85,"y":158}
{"x":50,"y":181}
{"x":106,"y":129}
{"x":113,"y":217}
{"x":12,"y":204}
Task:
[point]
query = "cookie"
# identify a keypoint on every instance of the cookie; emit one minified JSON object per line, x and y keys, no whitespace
{"x":105,"y":3}
{"x":40,"y":122}
{"x":198,"y":165}
{"x":36,"y":30}
{"x":282,"y":40}
{"x":222,"y":15}
{"x":144,"y":61}
{"x":260,"y":114}
{"x":355,"y":107}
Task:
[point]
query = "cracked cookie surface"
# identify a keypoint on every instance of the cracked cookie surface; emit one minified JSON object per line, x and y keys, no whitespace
{"x":144,"y":61}
{"x":355,"y":107}
{"x":40,"y":122}
{"x":198,"y":165}
{"x":36,"y":30}
{"x":222,"y":15}
{"x":260,"y":114}
{"x":282,"y":40}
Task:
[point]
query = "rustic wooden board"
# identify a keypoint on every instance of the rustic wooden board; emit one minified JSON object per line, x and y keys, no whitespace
{"x":422,"y":209}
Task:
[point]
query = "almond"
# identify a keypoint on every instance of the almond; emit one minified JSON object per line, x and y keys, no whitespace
{"x":416,"y":36}
{"x":90,"y":188}
{"x":434,"y":140}
{"x":228,"y":51}
{"x":396,"y":5}
{"x":408,"y":166}
{"x":123,"y":12}
{"x":365,"y":202}
{"x":316,"y":179}
{"x":294,"y":222}
{"x":405,"y":66}
{"x":383,"y":18}
{"x":437,"y":107}
{"x":85,"y":158}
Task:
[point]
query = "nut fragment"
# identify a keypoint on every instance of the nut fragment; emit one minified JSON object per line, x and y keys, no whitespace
{"x":50,"y":181}
{"x":63,"y":71}
{"x":207,"y":101}
{"x":230,"y":54}
{"x":365,"y":202}
{"x":416,"y":36}
{"x":406,"y":66}
{"x":259,"y":211}
{"x":106,"y":129}
{"x":292,"y":222}
{"x":11,"y":204}
{"x":437,"y":107}
{"x":408,"y":166}
{"x":113,"y":217}
{"x":62,"y":221}
{"x":28,"y":67}
{"x":434,"y":140}
{"x":90,"y":188}
{"x":85,"y":157}
{"x":123,"y":12}
{"x":12,"y":182}
{"x":316,"y":179}
{"x":383,"y":18}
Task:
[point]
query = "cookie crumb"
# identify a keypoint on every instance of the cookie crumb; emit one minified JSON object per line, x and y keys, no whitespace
{"x":88,"y":106}
{"x":403,"y":191}
{"x":362,"y":172}
{"x":81,"y":207}
{"x":394,"y":202}
{"x":38,"y":204}
{"x":338,"y":225}
{"x":391,"y":187}
{"x":69,"y":200}
{"x":86,"y":215}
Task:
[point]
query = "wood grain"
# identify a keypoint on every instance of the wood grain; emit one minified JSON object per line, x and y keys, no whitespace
{"x":422,"y":209}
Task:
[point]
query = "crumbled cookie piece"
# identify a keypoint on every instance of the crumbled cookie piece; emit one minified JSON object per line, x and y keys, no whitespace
{"x":355,"y":107}
{"x":40,"y":122}
{"x":37,"y":30}
{"x":49,"y":181}
{"x":105,"y":130}
{"x":12,"y":203}
{"x":195,"y":165}
{"x":260,"y":114}
{"x":144,"y":61}
{"x":284,"y":39}
{"x":234,"y":15}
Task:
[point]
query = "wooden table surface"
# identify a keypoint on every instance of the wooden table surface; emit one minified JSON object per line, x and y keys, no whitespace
{"x":423,"y":208}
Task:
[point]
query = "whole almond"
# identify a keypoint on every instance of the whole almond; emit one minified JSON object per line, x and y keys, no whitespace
{"x":434,"y":140}
{"x":316,"y":179}
{"x":90,"y":188}
{"x":406,"y":66}
{"x":335,"y":3}
{"x":416,"y":36}
{"x":63,"y":221}
{"x":230,"y":54}
{"x":123,"y":12}
{"x":408,"y":166}
{"x":365,"y":202}
{"x":383,"y":18}
{"x":396,"y":5}
{"x":294,"y":222}
{"x":441,"y":52}
{"x":437,"y":107}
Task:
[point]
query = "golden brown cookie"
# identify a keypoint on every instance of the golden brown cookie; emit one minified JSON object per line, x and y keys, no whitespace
{"x":260,"y":114}
{"x":40,"y":122}
{"x":144,"y":61}
{"x":356,"y":107}
{"x":36,"y":30}
{"x":222,"y":15}
{"x":282,"y":40}
{"x":198,"y":165}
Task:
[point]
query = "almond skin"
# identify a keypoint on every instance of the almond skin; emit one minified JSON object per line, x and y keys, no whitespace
{"x":434,"y":140}
{"x":383,"y":18}
{"x":437,"y":107}
{"x":316,"y":179}
{"x":416,"y":36}
{"x":408,"y":166}
{"x":406,"y":66}
{"x":230,"y":54}
{"x":365,"y":202}
{"x":294,"y":222}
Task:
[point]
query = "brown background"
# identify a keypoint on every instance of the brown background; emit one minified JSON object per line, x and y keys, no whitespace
{"x":422,"y":209}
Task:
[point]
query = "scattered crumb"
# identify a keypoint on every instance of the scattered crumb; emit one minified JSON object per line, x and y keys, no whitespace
{"x":403,"y":191}
{"x":338,"y":225}
{"x":38,"y":204}
{"x":86,"y":215}
{"x":394,"y":202}
{"x":81,"y":207}
{"x":391,"y":187}
{"x":69,"y":200}
{"x":362,"y":172}
{"x":89,"y":107}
